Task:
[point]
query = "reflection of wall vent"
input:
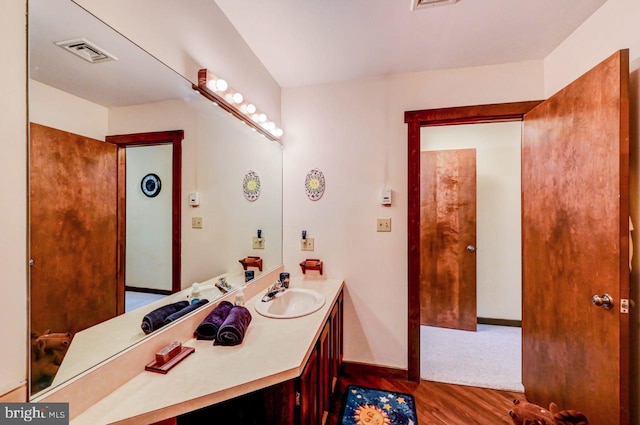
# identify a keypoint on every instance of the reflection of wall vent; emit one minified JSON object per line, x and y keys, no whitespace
{"x":86,"y":50}
{"x":420,"y":4}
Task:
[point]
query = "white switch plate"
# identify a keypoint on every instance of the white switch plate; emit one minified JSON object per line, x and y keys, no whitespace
{"x":196,"y":222}
{"x":258,"y":243}
{"x":383,"y":225}
{"x":306,"y":244}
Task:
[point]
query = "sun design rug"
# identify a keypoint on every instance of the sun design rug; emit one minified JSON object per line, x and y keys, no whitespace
{"x":368,"y":406}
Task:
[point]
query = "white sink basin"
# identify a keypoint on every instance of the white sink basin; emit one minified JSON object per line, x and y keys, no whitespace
{"x":294,"y":302}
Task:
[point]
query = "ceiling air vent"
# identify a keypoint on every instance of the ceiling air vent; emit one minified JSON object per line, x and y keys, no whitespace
{"x":86,"y":50}
{"x":421,"y":4}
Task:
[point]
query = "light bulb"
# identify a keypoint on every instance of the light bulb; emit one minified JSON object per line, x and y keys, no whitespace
{"x":237,"y":97}
{"x":243,"y":108}
{"x":270,"y":125}
{"x":279,"y":132}
{"x":211,"y":85}
{"x":228,"y":97}
{"x":221,"y":85}
{"x":255,"y":117}
{"x":251,"y":108}
{"x":262,"y":117}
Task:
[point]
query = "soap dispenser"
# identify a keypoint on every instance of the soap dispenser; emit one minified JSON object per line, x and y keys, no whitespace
{"x":195,"y":293}
{"x":239,"y":296}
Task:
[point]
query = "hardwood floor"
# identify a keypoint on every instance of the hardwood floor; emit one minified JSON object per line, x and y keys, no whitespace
{"x":440,"y":404}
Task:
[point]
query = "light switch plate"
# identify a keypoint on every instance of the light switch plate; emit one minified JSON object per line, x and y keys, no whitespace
{"x":306,"y":244}
{"x":258,"y":243}
{"x":196,"y":222}
{"x":383,"y":225}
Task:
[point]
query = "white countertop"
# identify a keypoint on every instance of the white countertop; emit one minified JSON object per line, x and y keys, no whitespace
{"x":273,"y":351}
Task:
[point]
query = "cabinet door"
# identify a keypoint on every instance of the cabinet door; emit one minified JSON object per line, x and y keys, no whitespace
{"x":336,"y":343}
{"x":324,"y":378}
{"x":307,"y":397}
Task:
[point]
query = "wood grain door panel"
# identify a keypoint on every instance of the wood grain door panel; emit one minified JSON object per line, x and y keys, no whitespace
{"x":73,"y":205}
{"x":575,"y":244}
{"x":447,"y":227}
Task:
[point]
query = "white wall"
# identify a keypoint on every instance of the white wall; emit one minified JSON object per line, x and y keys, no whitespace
{"x":191,"y":34}
{"x":355,"y":133}
{"x":13,"y":194}
{"x":149,"y":236}
{"x":57,"y":109}
{"x":498,"y":212}
{"x":614,"y":26}
{"x":217,"y":151}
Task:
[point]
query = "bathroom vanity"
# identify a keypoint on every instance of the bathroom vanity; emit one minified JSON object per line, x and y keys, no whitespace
{"x":286,"y":371}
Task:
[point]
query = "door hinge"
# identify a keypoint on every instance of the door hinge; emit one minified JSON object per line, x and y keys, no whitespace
{"x":297,"y":398}
{"x":624,"y":305}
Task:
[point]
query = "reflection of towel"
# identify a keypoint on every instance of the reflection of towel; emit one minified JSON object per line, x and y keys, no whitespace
{"x":178,"y":314}
{"x":234,"y":327}
{"x":155,"y":319}
{"x":208,"y":329}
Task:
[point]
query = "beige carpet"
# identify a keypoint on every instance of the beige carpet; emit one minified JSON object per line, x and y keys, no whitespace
{"x":488,"y":358}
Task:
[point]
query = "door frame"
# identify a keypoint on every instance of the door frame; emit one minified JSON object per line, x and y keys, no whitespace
{"x":123,"y":141}
{"x":502,"y":112}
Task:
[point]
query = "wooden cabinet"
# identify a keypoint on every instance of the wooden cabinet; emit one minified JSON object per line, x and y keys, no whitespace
{"x":305,"y":400}
{"x":326,"y":359}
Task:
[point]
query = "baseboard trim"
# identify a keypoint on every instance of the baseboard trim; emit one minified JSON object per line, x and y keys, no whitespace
{"x":148,"y":290}
{"x":354,"y":368}
{"x":500,"y":322}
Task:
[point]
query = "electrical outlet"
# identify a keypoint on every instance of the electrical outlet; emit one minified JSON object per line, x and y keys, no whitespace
{"x":258,"y":243}
{"x":306,"y":244}
{"x":383,"y":225}
{"x":196,"y":222}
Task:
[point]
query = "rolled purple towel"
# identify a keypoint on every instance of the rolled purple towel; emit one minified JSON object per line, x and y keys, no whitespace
{"x":188,"y":309}
{"x":234,"y":327}
{"x":155,"y":319}
{"x":208,"y":328}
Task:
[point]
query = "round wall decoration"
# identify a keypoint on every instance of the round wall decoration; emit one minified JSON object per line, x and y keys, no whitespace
{"x":314,"y":184}
{"x":151,"y":185}
{"x":251,"y":185}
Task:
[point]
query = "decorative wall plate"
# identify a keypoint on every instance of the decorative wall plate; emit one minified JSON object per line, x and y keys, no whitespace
{"x":151,"y":185}
{"x":314,"y":184}
{"x":251,"y":185}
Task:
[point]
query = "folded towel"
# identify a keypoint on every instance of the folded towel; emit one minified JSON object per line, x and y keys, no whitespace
{"x":234,"y":327}
{"x":208,"y":328}
{"x":155,"y":319}
{"x":178,"y":314}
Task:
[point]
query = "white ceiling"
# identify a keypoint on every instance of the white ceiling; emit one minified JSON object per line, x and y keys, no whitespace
{"x":135,"y":78}
{"x":303,"y":42}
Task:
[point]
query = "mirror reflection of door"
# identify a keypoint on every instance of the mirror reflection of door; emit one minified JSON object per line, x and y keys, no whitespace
{"x":148,"y":216}
{"x":73,"y":242}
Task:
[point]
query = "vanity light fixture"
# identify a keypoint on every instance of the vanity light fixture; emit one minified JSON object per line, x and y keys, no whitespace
{"x":218,"y":91}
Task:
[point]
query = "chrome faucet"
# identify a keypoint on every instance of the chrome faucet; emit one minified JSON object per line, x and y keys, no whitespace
{"x":274,"y":290}
{"x":223,"y":286}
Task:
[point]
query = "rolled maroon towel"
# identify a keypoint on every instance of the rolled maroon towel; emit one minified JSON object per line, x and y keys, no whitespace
{"x":234,"y":327}
{"x":208,"y":328}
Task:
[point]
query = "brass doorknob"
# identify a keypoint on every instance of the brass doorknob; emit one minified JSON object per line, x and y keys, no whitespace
{"x":604,"y":300}
{"x":471,"y":248}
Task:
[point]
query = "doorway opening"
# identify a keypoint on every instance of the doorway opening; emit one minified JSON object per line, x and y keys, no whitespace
{"x":416,"y":120}
{"x":471,"y":298}
{"x":172,"y":157}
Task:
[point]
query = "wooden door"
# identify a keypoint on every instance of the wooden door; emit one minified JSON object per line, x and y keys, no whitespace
{"x":73,"y":205}
{"x":575,"y":183}
{"x":448,"y":239}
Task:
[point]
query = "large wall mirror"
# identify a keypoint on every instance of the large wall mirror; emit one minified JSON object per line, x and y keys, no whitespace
{"x":118,"y":142}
